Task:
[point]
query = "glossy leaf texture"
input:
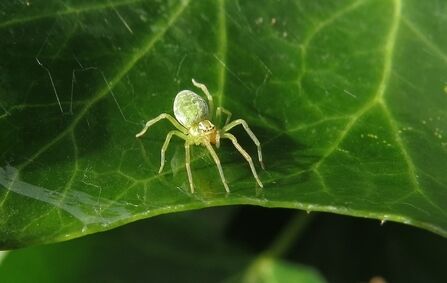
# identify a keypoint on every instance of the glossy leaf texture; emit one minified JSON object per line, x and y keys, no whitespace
{"x":348,"y":99}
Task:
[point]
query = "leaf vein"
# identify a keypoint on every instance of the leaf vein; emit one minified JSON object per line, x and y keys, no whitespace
{"x":68,"y":11}
{"x":378,"y":97}
{"x":412,"y":170}
{"x":222,"y":50}
{"x":419,"y":34}
{"x":148,"y":44}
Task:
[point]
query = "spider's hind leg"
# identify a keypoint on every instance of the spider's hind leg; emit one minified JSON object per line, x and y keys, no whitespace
{"x":188,"y":165}
{"x":158,"y":118}
{"x":208,"y":95}
{"x":166,"y":144}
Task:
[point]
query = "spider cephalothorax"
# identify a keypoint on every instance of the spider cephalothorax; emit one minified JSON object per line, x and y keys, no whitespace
{"x":195,"y":127}
{"x":204,"y":130}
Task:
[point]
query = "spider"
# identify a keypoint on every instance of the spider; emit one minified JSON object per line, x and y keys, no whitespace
{"x":193,"y":122}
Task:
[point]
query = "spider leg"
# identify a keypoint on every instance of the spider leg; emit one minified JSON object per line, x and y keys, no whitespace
{"x":217,"y":161}
{"x":245,"y":155}
{"x":219,"y":111}
{"x":166,"y":144}
{"x":158,"y":118}
{"x":188,"y":165}
{"x":249,"y":132}
{"x":208,"y":95}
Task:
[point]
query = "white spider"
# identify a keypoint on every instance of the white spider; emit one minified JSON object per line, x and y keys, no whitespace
{"x":194,"y":126}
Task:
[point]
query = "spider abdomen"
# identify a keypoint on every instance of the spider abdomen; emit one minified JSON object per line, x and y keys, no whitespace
{"x":190,"y":108}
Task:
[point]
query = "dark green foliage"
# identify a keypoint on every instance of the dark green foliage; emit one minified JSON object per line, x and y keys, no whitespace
{"x":347,"y":98}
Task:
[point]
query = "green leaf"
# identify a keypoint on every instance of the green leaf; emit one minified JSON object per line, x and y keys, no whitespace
{"x":151,"y":251}
{"x":347,"y":98}
{"x":273,"y":270}
{"x":230,"y":249}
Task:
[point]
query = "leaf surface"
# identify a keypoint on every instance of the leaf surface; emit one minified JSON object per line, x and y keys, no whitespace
{"x":347,"y":98}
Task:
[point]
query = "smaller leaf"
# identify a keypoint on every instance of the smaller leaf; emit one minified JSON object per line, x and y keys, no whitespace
{"x":270,"y":270}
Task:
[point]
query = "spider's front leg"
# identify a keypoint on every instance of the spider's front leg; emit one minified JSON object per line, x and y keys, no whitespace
{"x":219,"y":112}
{"x":250,"y":133}
{"x":245,"y":155}
{"x":219,"y":166}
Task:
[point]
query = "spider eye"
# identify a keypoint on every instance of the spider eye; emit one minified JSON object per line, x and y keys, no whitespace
{"x":206,"y":126}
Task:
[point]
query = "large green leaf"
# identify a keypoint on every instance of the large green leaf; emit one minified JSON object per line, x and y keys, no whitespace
{"x":347,"y":97}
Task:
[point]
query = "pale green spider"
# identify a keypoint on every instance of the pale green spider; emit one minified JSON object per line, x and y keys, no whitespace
{"x":194,"y":126}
